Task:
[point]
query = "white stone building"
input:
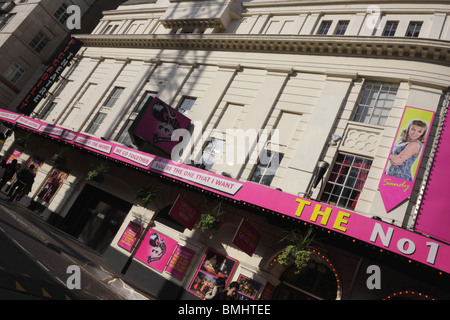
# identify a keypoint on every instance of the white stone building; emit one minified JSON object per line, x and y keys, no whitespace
{"x":326,"y":80}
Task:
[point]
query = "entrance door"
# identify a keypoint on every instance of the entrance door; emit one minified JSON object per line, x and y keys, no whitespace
{"x":95,"y":217}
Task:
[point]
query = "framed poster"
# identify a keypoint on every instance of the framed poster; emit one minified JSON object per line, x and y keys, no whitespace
{"x":156,"y":250}
{"x":213,"y":267}
{"x":181,"y":258}
{"x":52,"y":185}
{"x":130,"y":236}
{"x":248,"y":288}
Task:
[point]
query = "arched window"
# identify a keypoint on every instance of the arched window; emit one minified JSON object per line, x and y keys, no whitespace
{"x":318,"y":281}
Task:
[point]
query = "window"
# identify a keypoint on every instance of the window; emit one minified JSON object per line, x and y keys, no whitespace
{"x":115,"y":94}
{"x":390,"y":28}
{"x":93,"y":127}
{"x":346,"y":181}
{"x":140,"y":105}
{"x":375,"y":103}
{"x":39,"y":42}
{"x":110,"y":29}
{"x":186,"y":105}
{"x":124,"y":136}
{"x":48,"y":110}
{"x":413,"y":29}
{"x":266,"y":168}
{"x":61,"y":14}
{"x":324,"y":27}
{"x":6,"y":19}
{"x":14,"y":73}
{"x":341,"y":27}
{"x":211,"y":152}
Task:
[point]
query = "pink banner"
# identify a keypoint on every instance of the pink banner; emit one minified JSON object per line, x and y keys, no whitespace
{"x":246,"y":237}
{"x":184,"y":212}
{"x":156,"y":250}
{"x":433,"y":218}
{"x":401,"y":169}
{"x":386,"y":236}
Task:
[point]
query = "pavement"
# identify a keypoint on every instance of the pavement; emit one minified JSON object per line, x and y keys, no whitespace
{"x":107,"y":283}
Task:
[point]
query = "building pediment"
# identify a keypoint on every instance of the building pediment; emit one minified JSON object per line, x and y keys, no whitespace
{"x":202,"y":14}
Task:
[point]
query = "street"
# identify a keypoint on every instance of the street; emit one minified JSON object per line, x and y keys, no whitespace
{"x":34,"y":262}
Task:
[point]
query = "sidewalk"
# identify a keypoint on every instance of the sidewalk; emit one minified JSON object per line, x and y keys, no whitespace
{"x":88,"y":260}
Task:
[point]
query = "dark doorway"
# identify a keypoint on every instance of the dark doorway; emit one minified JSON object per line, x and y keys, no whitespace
{"x":95,"y":217}
{"x":316,"y":282}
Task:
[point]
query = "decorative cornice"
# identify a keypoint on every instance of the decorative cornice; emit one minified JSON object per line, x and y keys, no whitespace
{"x":435,"y":51}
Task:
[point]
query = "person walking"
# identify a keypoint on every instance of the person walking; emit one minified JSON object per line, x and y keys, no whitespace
{"x":230,"y":294}
{"x":25,"y":178}
{"x":10,"y":170}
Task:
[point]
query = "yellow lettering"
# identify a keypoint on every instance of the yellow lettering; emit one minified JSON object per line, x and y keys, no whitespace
{"x":340,"y":220}
{"x":325,"y":214}
{"x":301,"y":206}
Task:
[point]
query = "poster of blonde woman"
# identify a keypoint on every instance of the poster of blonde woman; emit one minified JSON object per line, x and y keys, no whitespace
{"x":405,"y":156}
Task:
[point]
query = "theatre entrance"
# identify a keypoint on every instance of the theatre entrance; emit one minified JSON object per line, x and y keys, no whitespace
{"x":95,"y":217}
{"x":316,"y":282}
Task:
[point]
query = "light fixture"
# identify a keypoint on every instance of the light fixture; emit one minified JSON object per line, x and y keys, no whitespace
{"x":319,"y":171}
{"x":335,"y":138}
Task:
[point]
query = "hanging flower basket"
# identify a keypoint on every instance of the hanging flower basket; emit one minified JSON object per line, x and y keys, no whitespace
{"x":209,"y":221}
{"x":146,"y":194}
{"x":24,"y":141}
{"x":298,"y":250}
{"x":97,"y":173}
{"x":60,"y":158}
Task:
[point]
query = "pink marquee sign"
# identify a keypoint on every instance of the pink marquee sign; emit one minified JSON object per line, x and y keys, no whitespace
{"x":401,"y":241}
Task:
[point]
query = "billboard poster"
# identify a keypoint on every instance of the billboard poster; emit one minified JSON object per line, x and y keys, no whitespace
{"x":401,"y":169}
{"x":184,"y":212}
{"x":156,"y":250}
{"x":130,"y":236}
{"x":52,"y":185}
{"x":155,"y":124}
{"x":433,"y":218}
{"x":213,"y":267}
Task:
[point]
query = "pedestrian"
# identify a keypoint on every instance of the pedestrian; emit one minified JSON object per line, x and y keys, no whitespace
{"x":25,"y":179}
{"x":10,"y":170}
{"x":230,"y":294}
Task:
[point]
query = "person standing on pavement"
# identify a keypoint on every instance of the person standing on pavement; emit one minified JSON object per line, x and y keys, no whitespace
{"x":10,"y":170}
{"x":230,"y":294}
{"x":25,"y":178}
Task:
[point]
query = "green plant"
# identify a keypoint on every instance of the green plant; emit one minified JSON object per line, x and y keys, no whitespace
{"x":298,"y":249}
{"x":210,"y":220}
{"x":24,"y":141}
{"x":147,"y":194}
{"x":96,"y":174}
{"x":60,"y":158}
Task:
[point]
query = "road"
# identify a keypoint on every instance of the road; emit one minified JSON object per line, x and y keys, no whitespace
{"x":34,"y":262}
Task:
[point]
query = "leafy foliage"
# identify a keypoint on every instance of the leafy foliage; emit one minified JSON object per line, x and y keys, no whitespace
{"x":297,"y":250}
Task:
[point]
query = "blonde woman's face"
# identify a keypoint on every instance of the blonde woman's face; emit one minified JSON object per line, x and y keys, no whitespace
{"x":415,"y":132}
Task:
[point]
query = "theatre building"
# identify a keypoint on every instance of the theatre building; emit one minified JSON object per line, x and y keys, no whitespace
{"x":188,"y":141}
